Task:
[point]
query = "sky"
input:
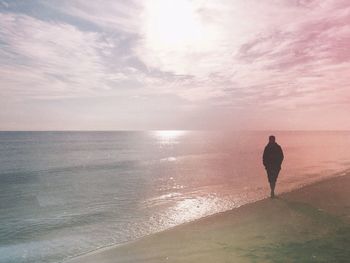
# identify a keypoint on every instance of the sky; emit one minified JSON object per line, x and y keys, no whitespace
{"x":174,"y":64}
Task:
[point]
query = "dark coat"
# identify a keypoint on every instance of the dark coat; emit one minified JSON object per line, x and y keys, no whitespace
{"x":273,"y":156}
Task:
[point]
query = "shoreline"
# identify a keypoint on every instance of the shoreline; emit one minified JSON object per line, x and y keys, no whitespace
{"x":117,"y":250}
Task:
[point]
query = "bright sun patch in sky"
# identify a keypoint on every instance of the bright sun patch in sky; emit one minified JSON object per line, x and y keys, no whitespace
{"x":173,"y":25}
{"x":175,"y":35}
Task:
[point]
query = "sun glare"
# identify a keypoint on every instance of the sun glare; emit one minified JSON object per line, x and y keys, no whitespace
{"x":173,"y":24}
{"x":169,"y":134}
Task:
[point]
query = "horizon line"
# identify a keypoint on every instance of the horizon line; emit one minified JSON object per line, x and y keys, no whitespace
{"x":150,"y":130}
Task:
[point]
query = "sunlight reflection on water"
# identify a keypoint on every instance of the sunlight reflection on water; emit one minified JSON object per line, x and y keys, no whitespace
{"x":168,"y":137}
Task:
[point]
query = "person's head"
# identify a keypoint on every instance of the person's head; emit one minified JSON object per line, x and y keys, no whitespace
{"x":272,"y":139}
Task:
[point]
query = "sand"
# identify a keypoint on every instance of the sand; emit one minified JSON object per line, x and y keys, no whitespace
{"x":311,"y":224}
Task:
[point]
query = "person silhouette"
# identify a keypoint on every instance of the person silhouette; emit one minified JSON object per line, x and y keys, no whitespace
{"x":272,"y":160}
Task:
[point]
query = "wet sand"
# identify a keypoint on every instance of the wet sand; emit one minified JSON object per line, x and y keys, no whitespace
{"x":311,"y":224}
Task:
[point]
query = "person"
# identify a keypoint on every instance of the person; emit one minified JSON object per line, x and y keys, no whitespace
{"x":272,"y":160}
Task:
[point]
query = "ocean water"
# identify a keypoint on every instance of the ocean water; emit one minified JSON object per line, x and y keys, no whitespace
{"x":63,"y":194}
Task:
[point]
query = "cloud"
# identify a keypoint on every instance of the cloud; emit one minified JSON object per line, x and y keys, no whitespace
{"x":258,"y":48}
{"x":123,"y":16}
{"x":53,"y":59}
{"x":271,"y":47}
{"x":238,"y":56}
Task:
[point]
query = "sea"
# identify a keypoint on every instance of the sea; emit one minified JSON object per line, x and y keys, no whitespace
{"x":64,"y":194}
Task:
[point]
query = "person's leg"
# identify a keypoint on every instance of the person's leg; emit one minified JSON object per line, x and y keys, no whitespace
{"x":272,"y":186}
{"x":271,"y":182}
{"x":272,"y":175}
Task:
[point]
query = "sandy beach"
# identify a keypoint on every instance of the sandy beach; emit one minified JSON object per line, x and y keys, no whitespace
{"x":310,"y":224}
